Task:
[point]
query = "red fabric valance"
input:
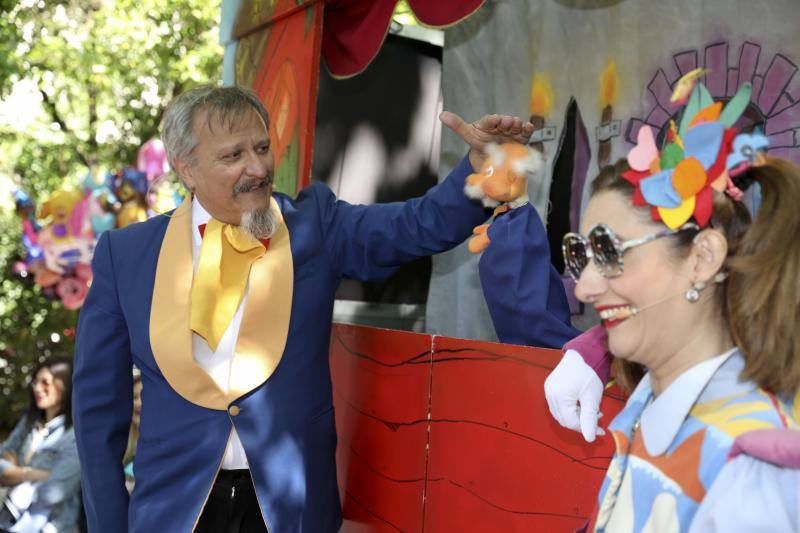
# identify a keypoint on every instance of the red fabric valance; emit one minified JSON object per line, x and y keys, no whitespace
{"x":354,"y":30}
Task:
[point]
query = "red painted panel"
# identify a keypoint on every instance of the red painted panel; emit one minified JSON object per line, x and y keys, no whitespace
{"x":381,"y":381}
{"x":499,"y":460}
{"x":496,"y":461}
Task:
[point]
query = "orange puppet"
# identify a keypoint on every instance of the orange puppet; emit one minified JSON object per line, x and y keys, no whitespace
{"x":502,"y":183}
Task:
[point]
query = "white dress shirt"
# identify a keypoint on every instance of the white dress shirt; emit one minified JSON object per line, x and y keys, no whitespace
{"x":218,"y":363}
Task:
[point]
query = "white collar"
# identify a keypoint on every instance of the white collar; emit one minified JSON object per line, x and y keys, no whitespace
{"x":55,"y":423}
{"x":663,"y":417}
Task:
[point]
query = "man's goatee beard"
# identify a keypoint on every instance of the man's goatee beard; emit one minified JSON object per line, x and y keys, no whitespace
{"x":260,"y":223}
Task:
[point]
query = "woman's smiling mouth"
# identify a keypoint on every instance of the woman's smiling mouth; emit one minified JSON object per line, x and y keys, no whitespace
{"x":613,"y":315}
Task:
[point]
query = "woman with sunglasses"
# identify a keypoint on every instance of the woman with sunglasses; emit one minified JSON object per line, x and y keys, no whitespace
{"x":40,"y":459}
{"x":706,"y":304}
{"x":711,"y":313}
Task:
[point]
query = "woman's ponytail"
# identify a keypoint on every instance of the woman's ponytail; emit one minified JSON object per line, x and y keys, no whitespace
{"x":763,"y":292}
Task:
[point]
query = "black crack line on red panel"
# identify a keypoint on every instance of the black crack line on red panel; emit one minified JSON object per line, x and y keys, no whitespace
{"x":511,"y":511}
{"x":488,"y":356}
{"x":370,"y":511}
{"x":423,"y":358}
{"x":394,"y":426}
{"x":374,"y":469}
{"x":428,"y":437}
{"x":418,"y":360}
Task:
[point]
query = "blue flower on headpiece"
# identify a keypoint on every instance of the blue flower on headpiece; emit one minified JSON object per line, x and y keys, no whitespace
{"x":702,"y":143}
{"x":657,"y":190}
{"x":745,"y":148}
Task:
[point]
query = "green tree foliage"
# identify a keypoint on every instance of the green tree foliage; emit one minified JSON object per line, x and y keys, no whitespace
{"x":83,"y":83}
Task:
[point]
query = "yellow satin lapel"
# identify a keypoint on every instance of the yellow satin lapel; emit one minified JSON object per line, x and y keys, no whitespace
{"x":265,"y":322}
{"x":170,"y":335}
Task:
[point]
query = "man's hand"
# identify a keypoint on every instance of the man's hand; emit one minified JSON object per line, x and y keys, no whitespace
{"x":573,"y":393}
{"x":489,"y":129}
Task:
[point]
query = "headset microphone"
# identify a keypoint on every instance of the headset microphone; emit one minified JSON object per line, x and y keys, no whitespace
{"x":621,"y":313}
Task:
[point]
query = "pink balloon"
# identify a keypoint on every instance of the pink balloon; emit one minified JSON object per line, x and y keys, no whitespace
{"x":79,"y":218}
{"x":72,"y":292}
{"x":152,"y":159}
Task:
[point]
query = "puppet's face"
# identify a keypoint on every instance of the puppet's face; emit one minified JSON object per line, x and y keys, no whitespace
{"x":503,"y":176}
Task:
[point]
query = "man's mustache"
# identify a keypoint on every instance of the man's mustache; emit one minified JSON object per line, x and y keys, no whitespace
{"x":252,"y":184}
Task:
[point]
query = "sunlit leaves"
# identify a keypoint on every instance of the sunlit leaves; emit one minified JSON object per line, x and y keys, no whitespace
{"x":80,"y":81}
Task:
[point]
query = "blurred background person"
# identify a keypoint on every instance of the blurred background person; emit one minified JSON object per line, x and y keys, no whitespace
{"x":40,"y":460}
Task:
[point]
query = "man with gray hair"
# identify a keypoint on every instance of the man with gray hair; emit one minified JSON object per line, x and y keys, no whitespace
{"x":225,"y":306}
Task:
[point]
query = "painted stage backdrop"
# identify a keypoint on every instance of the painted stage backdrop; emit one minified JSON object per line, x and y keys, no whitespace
{"x":278,"y":56}
{"x":275,"y":46}
{"x":441,"y":434}
{"x":589,"y":74}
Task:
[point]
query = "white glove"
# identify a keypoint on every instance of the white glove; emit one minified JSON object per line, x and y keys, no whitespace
{"x":573,"y":393}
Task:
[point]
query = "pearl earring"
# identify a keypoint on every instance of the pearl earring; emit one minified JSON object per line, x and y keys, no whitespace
{"x":693,"y":294}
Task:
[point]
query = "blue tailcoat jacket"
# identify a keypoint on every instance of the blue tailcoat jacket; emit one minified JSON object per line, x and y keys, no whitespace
{"x":280,"y":399}
{"x":523,"y":291}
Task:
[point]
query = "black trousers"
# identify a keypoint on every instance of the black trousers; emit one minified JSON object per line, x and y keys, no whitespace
{"x":232,"y":506}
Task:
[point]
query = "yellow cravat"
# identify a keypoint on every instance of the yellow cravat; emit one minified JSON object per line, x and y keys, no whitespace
{"x":226,"y":255}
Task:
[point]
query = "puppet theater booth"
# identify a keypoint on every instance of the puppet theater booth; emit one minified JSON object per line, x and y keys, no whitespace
{"x":434,"y":433}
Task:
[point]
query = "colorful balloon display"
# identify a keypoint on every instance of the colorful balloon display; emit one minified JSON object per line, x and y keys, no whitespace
{"x":59,"y":240}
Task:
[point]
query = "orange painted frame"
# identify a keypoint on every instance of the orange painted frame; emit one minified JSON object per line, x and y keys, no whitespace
{"x":278,"y":56}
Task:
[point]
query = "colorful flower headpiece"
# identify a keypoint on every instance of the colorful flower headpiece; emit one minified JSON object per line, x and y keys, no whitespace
{"x":702,"y":154}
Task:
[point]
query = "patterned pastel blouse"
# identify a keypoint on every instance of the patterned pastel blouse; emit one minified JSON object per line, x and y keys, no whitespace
{"x":671,"y":471}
